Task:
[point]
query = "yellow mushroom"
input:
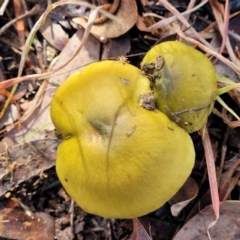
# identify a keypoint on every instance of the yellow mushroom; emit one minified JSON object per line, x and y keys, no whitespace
{"x":184,"y":83}
{"x":117,"y":159}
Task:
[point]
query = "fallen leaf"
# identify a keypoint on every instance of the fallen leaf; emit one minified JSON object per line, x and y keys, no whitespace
{"x":16,"y":224}
{"x":10,"y":116}
{"x":127,"y":15}
{"x":158,"y":229}
{"x":223,"y":70}
{"x":141,"y":24}
{"x":227,"y":226}
{"x":54,"y":34}
{"x":184,"y":196}
{"x":139,"y":232}
{"x":25,"y":161}
{"x":116,"y":47}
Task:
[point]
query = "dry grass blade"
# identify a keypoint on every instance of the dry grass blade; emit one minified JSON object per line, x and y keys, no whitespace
{"x":26,"y":49}
{"x":190,"y":6}
{"x":21,"y":35}
{"x":227,"y":107}
{"x":19,"y":24}
{"x":13,"y":100}
{"x":211,"y":174}
{"x":169,"y":20}
{"x":176,"y":13}
{"x":232,"y":174}
{"x":227,"y":88}
{"x":3,"y":6}
{"x":222,"y":17}
{"x":31,"y":36}
{"x":36,"y":9}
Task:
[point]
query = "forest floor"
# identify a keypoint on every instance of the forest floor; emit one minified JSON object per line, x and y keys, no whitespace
{"x":41,"y":44}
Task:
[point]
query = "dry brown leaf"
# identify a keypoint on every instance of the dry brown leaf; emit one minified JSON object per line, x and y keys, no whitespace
{"x":54,"y":34}
{"x":139,"y":232}
{"x":224,"y":70}
{"x":141,"y":24}
{"x":227,"y":227}
{"x":157,"y":228}
{"x":10,"y":116}
{"x":144,"y":2}
{"x":127,"y":15}
{"x":25,"y":161}
{"x":16,"y":224}
{"x":116,"y":47}
{"x":184,"y":196}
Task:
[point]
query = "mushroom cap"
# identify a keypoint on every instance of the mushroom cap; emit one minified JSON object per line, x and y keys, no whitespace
{"x":117,"y":159}
{"x":186,"y":83}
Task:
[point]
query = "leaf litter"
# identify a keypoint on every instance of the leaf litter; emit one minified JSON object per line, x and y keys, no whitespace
{"x":28,"y":179}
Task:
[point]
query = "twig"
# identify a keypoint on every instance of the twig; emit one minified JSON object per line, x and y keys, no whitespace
{"x":206,"y":49}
